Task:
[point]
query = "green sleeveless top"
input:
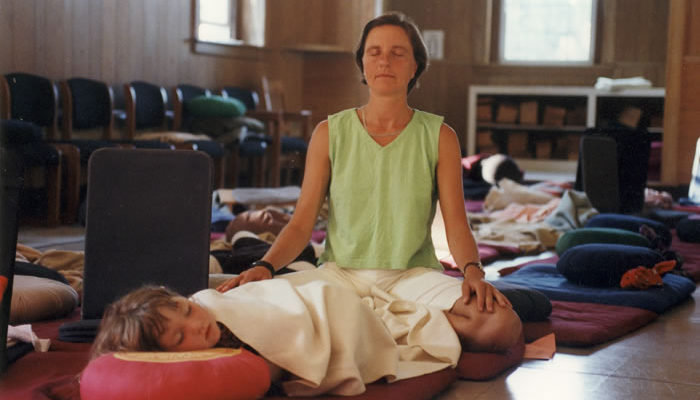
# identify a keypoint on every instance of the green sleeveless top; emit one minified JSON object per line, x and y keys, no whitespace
{"x":382,"y":198}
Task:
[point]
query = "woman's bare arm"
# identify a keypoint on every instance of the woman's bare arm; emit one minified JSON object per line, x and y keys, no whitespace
{"x":297,"y":233}
{"x":460,"y":239}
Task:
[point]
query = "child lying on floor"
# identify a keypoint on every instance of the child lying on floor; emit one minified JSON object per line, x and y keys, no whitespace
{"x":317,"y":338}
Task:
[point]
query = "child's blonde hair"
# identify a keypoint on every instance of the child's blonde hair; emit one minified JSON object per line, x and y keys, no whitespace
{"x":134,"y":322}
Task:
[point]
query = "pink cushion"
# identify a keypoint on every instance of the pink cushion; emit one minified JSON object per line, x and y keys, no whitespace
{"x":212,"y":374}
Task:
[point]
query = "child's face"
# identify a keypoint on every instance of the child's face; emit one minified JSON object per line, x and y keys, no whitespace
{"x":189,"y":327}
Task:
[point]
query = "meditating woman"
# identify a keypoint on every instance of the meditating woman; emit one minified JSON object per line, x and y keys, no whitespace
{"x":383,"y":167}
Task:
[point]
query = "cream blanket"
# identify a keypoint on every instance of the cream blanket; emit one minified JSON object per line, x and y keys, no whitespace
{"x":331,"y":340}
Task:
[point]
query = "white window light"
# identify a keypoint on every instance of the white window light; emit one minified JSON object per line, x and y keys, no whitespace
{"x":215,"y":21}
{"x":231,"y":21}
{"x":547,"y":31}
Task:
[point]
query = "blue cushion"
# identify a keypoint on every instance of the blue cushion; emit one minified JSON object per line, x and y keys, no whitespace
{"x":603,"y":265}
{"x":630,"y":223}
{"x":293,"y":145}
{"x":688,"y":230}
{"x":546,"y":279}
{"x":212,"y":148}
{"x":252,"y":148}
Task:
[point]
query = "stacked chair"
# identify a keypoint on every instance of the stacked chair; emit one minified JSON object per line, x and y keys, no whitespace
{"x":32,"y":99}
{"x":147,"y":118}
{"x":232,"y":130}
{"x":258,"y":130}
{"x":295,"y":132}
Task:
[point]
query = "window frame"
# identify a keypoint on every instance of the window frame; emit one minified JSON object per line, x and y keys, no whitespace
{"x":593,"y":51}
{"x":235,"y":48}
{"x":232,"y":24}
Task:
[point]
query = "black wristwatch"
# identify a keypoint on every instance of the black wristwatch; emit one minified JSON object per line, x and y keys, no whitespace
{"x":261,"y":263}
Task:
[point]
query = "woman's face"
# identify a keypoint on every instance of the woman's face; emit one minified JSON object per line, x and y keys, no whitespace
{"x":188,"y":327}
{"x":388,"y":60}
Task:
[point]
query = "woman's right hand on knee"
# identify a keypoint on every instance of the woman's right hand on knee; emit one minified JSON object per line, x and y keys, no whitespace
{"x":258,"y":273}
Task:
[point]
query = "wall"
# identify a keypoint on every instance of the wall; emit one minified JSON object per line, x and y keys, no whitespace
{"x":310,"y":48}
{"x":682,"y":108}
{"x":631,"y":42}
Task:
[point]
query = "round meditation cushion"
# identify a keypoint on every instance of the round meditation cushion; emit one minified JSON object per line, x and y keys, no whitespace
{"x":36,"y":298}
{"x":215,"y":107}
{"x":218,"y":373}
{"x":630,"y":223}
{"x":688,"y":230}
{"x":603,"y":265}
{"x":599,"y":235}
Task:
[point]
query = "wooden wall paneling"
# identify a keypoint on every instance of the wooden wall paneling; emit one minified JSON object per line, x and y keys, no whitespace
{"x":457,"y":96}
{"x":674,"y":87}
{"x":7,"y":33}
{"x":176,"y":45}
{"x":332,"y":82}
{"x":56,"y":36}
{"x":640,"y":30}
{"x":689,"y":124}
{"x":154,"y":41}
{"x":605,"y":38}
{"x":80,"y":39}
{"x":350,"y":29}
{"x":317,"y":23}
{"x":136,"y":40}
{"x":658,"y":20}
{"x":93,"y":57}
{"x":693,"y":39}
{"x":24,"y":43}
{"x":108,"y":42}
{"x":40,"y":45}
{"x":122,"y":46}
{"x":480,"y":32}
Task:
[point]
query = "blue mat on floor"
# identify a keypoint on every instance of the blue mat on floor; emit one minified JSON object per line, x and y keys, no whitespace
{"x":546,"y":279}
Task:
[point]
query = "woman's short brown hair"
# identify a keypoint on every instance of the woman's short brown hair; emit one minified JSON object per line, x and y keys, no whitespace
{"x":420,"y":52}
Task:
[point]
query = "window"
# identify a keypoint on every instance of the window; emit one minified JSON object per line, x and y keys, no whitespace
{"x":231,"y":21}
{"x":547,"y":31}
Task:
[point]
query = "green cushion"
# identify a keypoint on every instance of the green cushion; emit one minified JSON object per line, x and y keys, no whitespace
{"x":600,"y":235}
{"x":215,"y":106}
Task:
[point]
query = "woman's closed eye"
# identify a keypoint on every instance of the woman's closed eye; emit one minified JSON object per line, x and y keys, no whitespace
{"x":399,"y":52}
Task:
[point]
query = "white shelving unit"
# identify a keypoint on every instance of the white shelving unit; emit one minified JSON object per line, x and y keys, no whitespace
{"x":594,"y":104}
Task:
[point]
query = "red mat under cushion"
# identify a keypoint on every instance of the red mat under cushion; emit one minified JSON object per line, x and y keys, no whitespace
{"x":419,"y":388}
{"x":587,"y":324}
{"x":40,"y":376}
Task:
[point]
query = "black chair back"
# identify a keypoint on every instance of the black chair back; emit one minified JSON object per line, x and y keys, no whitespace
{"x":33,"y":99}
{"x":92,"y":103}
{"x":150,"y":104}
{"x":249,"y":97}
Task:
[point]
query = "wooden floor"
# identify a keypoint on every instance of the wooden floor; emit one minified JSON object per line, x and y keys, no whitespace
{"x":659,"y":361}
